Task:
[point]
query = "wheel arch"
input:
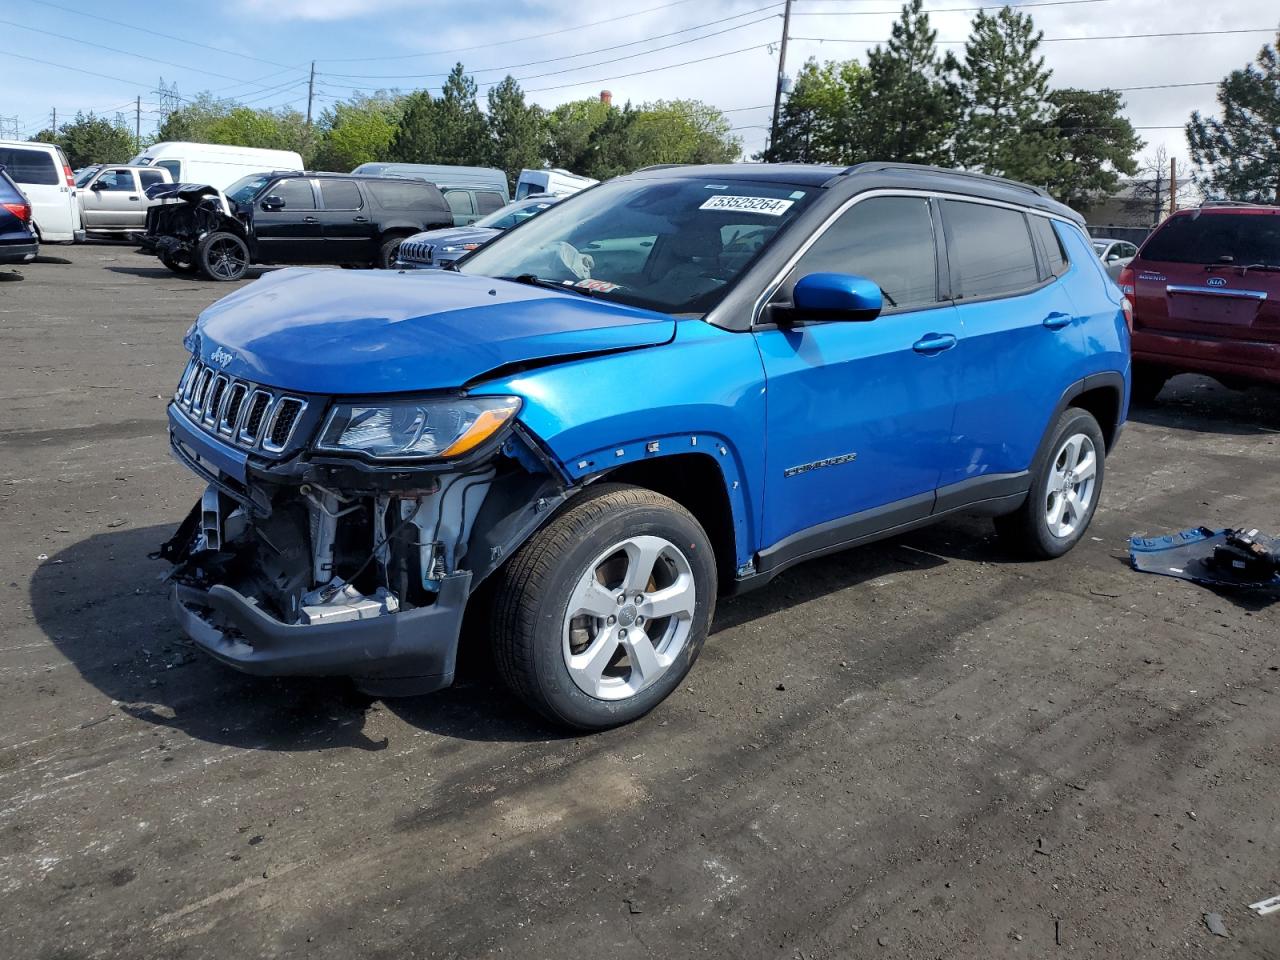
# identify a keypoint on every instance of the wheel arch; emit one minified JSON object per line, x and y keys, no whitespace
{"x":1102,"y":396}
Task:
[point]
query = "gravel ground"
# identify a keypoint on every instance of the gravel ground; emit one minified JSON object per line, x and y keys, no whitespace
{"x":914,"y":749}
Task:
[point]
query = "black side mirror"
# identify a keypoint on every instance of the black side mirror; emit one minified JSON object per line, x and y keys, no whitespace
{"x":98,"y":185}
{"x":272,"y":203}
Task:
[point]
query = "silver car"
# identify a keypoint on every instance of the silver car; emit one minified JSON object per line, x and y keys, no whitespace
{"x":1114,"y":254}
{"x":113,"y":197}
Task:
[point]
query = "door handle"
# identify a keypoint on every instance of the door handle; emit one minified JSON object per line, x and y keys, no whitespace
{"x":310,"y":220}
{"x":933,"y":343}
{"x":135,"y":198}
{"x":359,"y":219}
{"x":1057,"y":320}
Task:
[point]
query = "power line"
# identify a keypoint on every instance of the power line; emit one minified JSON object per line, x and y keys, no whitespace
{"x":885,"y":13}
{"x":571,"y":56}
{"x":1116,"y":36}
{"x":155,"y":33}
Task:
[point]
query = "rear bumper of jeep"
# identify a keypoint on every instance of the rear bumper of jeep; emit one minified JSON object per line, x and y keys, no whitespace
{"x":412,"y":652}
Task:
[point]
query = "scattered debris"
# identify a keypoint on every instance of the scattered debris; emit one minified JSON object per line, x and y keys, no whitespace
{"x":781,"y":686}
{"x":1214,"y":922}
{"x":1057,"y":932}
{"x":1264,"y":907}
{"x":632,"y":907}
{"x":1221,"y":558}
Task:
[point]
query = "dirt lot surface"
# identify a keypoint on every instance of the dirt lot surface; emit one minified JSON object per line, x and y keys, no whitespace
{"x":915,"y":749}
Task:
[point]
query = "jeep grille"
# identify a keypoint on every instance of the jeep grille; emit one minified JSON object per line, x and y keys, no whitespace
{"x":416,"y":251}
{"x":239,"y":412}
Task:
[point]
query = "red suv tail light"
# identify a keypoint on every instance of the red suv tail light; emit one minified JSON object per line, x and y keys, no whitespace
{"x":71,"y":177}
{"x":1125,"y":282}
{"x":20,"y":210}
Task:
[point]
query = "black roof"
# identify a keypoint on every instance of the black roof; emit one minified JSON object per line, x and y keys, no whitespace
{"x":904,"y":175}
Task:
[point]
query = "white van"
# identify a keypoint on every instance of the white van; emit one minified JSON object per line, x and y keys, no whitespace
{"x":42,"y":171}
{"x":214,"y":164}
{"x":556,"y":182}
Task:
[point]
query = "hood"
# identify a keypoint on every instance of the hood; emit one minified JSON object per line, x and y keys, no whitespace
{"x":191,"y":193}
{"x":356,"y":332}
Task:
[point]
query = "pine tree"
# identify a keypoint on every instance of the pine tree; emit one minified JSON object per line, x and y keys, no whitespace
{"x":821,"y":120}
{"x":1238,"y":157}
{"x":1005,"y":87}
{"x":1091,"y":145}
{"x":461,"y":131}
{"x":415,"y":139}
{"x":908,"y":107}
{"x":516,"y":129}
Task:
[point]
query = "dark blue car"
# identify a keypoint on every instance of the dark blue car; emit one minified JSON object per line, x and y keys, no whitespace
{"x":437,"y":249}
{"x":670,"y":387}
{"x":18,"y":243}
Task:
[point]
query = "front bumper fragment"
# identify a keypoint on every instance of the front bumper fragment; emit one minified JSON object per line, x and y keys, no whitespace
{"x":410,"y":652}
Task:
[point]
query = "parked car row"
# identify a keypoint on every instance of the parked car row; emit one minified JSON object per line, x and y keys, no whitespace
{"x":436,"y":249}
{"x":18,"y":242}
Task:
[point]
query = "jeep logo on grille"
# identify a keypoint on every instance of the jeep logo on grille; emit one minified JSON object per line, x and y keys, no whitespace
{"x":221,"y":357}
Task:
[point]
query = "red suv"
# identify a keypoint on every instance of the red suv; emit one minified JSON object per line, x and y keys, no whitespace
{"x":1205,"y":290}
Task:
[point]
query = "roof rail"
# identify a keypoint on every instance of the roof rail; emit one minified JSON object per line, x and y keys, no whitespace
{"x":652,"y":166}
{"x":1235,"y":203}
{"x":876,"y":165}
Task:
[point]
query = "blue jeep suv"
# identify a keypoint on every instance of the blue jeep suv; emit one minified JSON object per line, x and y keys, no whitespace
{"x":673,"y":385}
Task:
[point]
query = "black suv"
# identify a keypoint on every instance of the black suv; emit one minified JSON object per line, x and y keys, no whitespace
{"x":288,"y":217}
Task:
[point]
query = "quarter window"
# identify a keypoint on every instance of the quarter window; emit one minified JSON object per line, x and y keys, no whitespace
{"x":487,"y":201}
{"x":459,"y":202}
{"x":1055,"y":256}
{"x":340,"y":195}
{"x":886,"y":239}
{"x":989,"y":249}
{"x":296,"y":194}
{"x":30,"y":166}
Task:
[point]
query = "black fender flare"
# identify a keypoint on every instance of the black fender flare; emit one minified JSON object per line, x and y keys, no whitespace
{"x":1110,"y":379}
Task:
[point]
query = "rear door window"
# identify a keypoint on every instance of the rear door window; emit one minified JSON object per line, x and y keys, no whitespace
{"x":340,"y":195}
{"x":886,"y":239}
{"x":150,"y":178}
{"x":459,"y":202}
{"x":989,"y":249}
{"x":487,"y":201}
{"x":1238,"y":238}
{"x":35,"y":167}
{"x":406,"y":195}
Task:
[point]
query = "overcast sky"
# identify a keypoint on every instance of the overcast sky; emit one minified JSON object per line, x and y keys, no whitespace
{"x":265,"y":49}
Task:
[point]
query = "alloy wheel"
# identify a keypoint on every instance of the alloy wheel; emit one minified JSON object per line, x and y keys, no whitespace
{"x":1072,"y":475}
{"x":225,"y":259}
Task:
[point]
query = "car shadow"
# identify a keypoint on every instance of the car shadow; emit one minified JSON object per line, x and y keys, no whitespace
{"x":7,"y":276}
{"x":102,"y":603}
{"x":160,"y":271}
{"x":1201,"y":404}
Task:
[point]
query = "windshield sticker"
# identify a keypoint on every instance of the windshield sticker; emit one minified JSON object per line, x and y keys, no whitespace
{"x":600,"y":286}
{"x":766,"y":205}
{"x":797,"y":194}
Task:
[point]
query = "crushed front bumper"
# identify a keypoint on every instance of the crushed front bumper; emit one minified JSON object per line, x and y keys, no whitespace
{"x":410,"y":652}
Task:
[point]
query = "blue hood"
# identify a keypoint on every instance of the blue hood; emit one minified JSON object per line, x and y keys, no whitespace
{"x":358,"y":332}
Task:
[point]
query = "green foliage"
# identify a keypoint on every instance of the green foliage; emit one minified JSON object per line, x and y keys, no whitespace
{"x":1237,"y":157}
{"x":462,"y":135}
{"x":1004,"y":87}
{"x":820,"y":119}
{"x":909,"y":106}
{"x":571,"y":128}
{"x":358,"y":130}
{"x":206,"y":119}
{"x":682,"y":131}
{"x":1091,"y":144}
{"x":92,"y":139}
{"x":517,"y":130}
{"x":415,"y":139}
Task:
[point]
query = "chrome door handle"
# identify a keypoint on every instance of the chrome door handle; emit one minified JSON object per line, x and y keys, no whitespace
{"x":310,"y":220}
{"x":934,"y":343}
{"x":359,"y":219}
{"x":1057,"y":320}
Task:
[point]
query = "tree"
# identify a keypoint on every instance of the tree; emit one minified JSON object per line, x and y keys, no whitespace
{"x":92,"y":139}
{"x":821,"y":119}
{"x":1090,"y":145}
{"x":682,"y":131}
{"x":908,"y":107}
{"x":357,"y":131}
{"x":516,"y":129}
{"x":569,"y":132}
{"x":461,"y":131}
{"x":206,"y":119}
{"x":1004,"y":86}
{"x":415,"y":139}
{"x":1237,"y":157}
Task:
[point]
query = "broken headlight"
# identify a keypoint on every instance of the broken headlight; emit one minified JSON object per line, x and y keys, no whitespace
{"x":412,"y":430}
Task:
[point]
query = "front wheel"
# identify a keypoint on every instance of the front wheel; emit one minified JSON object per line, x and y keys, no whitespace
{"x":1066,"y":484}
{"x":602,"y":613}
{"x":223,"y":257}
{"x":178,"y":265}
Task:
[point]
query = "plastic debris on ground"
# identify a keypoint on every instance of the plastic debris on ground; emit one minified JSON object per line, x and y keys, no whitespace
{"x":1220,"y":558}
{"x":1264,"y":907}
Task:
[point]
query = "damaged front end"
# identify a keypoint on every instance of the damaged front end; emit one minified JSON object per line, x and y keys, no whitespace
{"x":182,"y":216}
{"x":344,"y":539}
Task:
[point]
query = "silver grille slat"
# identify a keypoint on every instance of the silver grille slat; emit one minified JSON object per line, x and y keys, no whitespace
{"x":238,"y":411}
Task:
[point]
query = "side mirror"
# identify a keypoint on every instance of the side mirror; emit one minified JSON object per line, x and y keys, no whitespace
{"x":272,"y":203}
{"x":836,"y":296}
{"x":1112,"y":257}
{"x":98,"y":185}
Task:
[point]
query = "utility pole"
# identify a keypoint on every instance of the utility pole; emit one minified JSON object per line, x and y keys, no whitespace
{"x":311,"y":88}
{"x":782,"y":70}
{"x":55,"y":121}
{"x":137,"y":124}
{"x":1173,"y":185}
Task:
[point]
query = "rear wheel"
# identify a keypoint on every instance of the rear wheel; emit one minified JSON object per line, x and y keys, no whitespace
{"x":1065,"y":487}
{"x":1148,"y":381}
{"x":389,"y":251}
{"x":223,"y":257}
{"x":602,"y":613}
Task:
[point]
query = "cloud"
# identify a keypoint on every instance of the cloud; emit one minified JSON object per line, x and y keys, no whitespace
{"x":319,"y":9}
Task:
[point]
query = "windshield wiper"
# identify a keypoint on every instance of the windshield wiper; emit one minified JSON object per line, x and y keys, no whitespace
{"x":1259,"y":266}
{"x":533,"y":280}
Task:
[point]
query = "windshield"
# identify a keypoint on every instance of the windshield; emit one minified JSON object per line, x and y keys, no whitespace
{"x":246,"y":188}
{"x":673,"y":245}
{"x":507,"y":217}
{"x":87,"y":174}
{"x":1242,"y":239}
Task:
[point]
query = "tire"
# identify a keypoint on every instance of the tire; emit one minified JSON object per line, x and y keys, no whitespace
{"x":1147,"y":383}
{"x":599,"y":544}
{"x":1061,"y":502}
{"x":388,"y":251}
{"x":183,"y":267}
{"x":223,"y":257}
